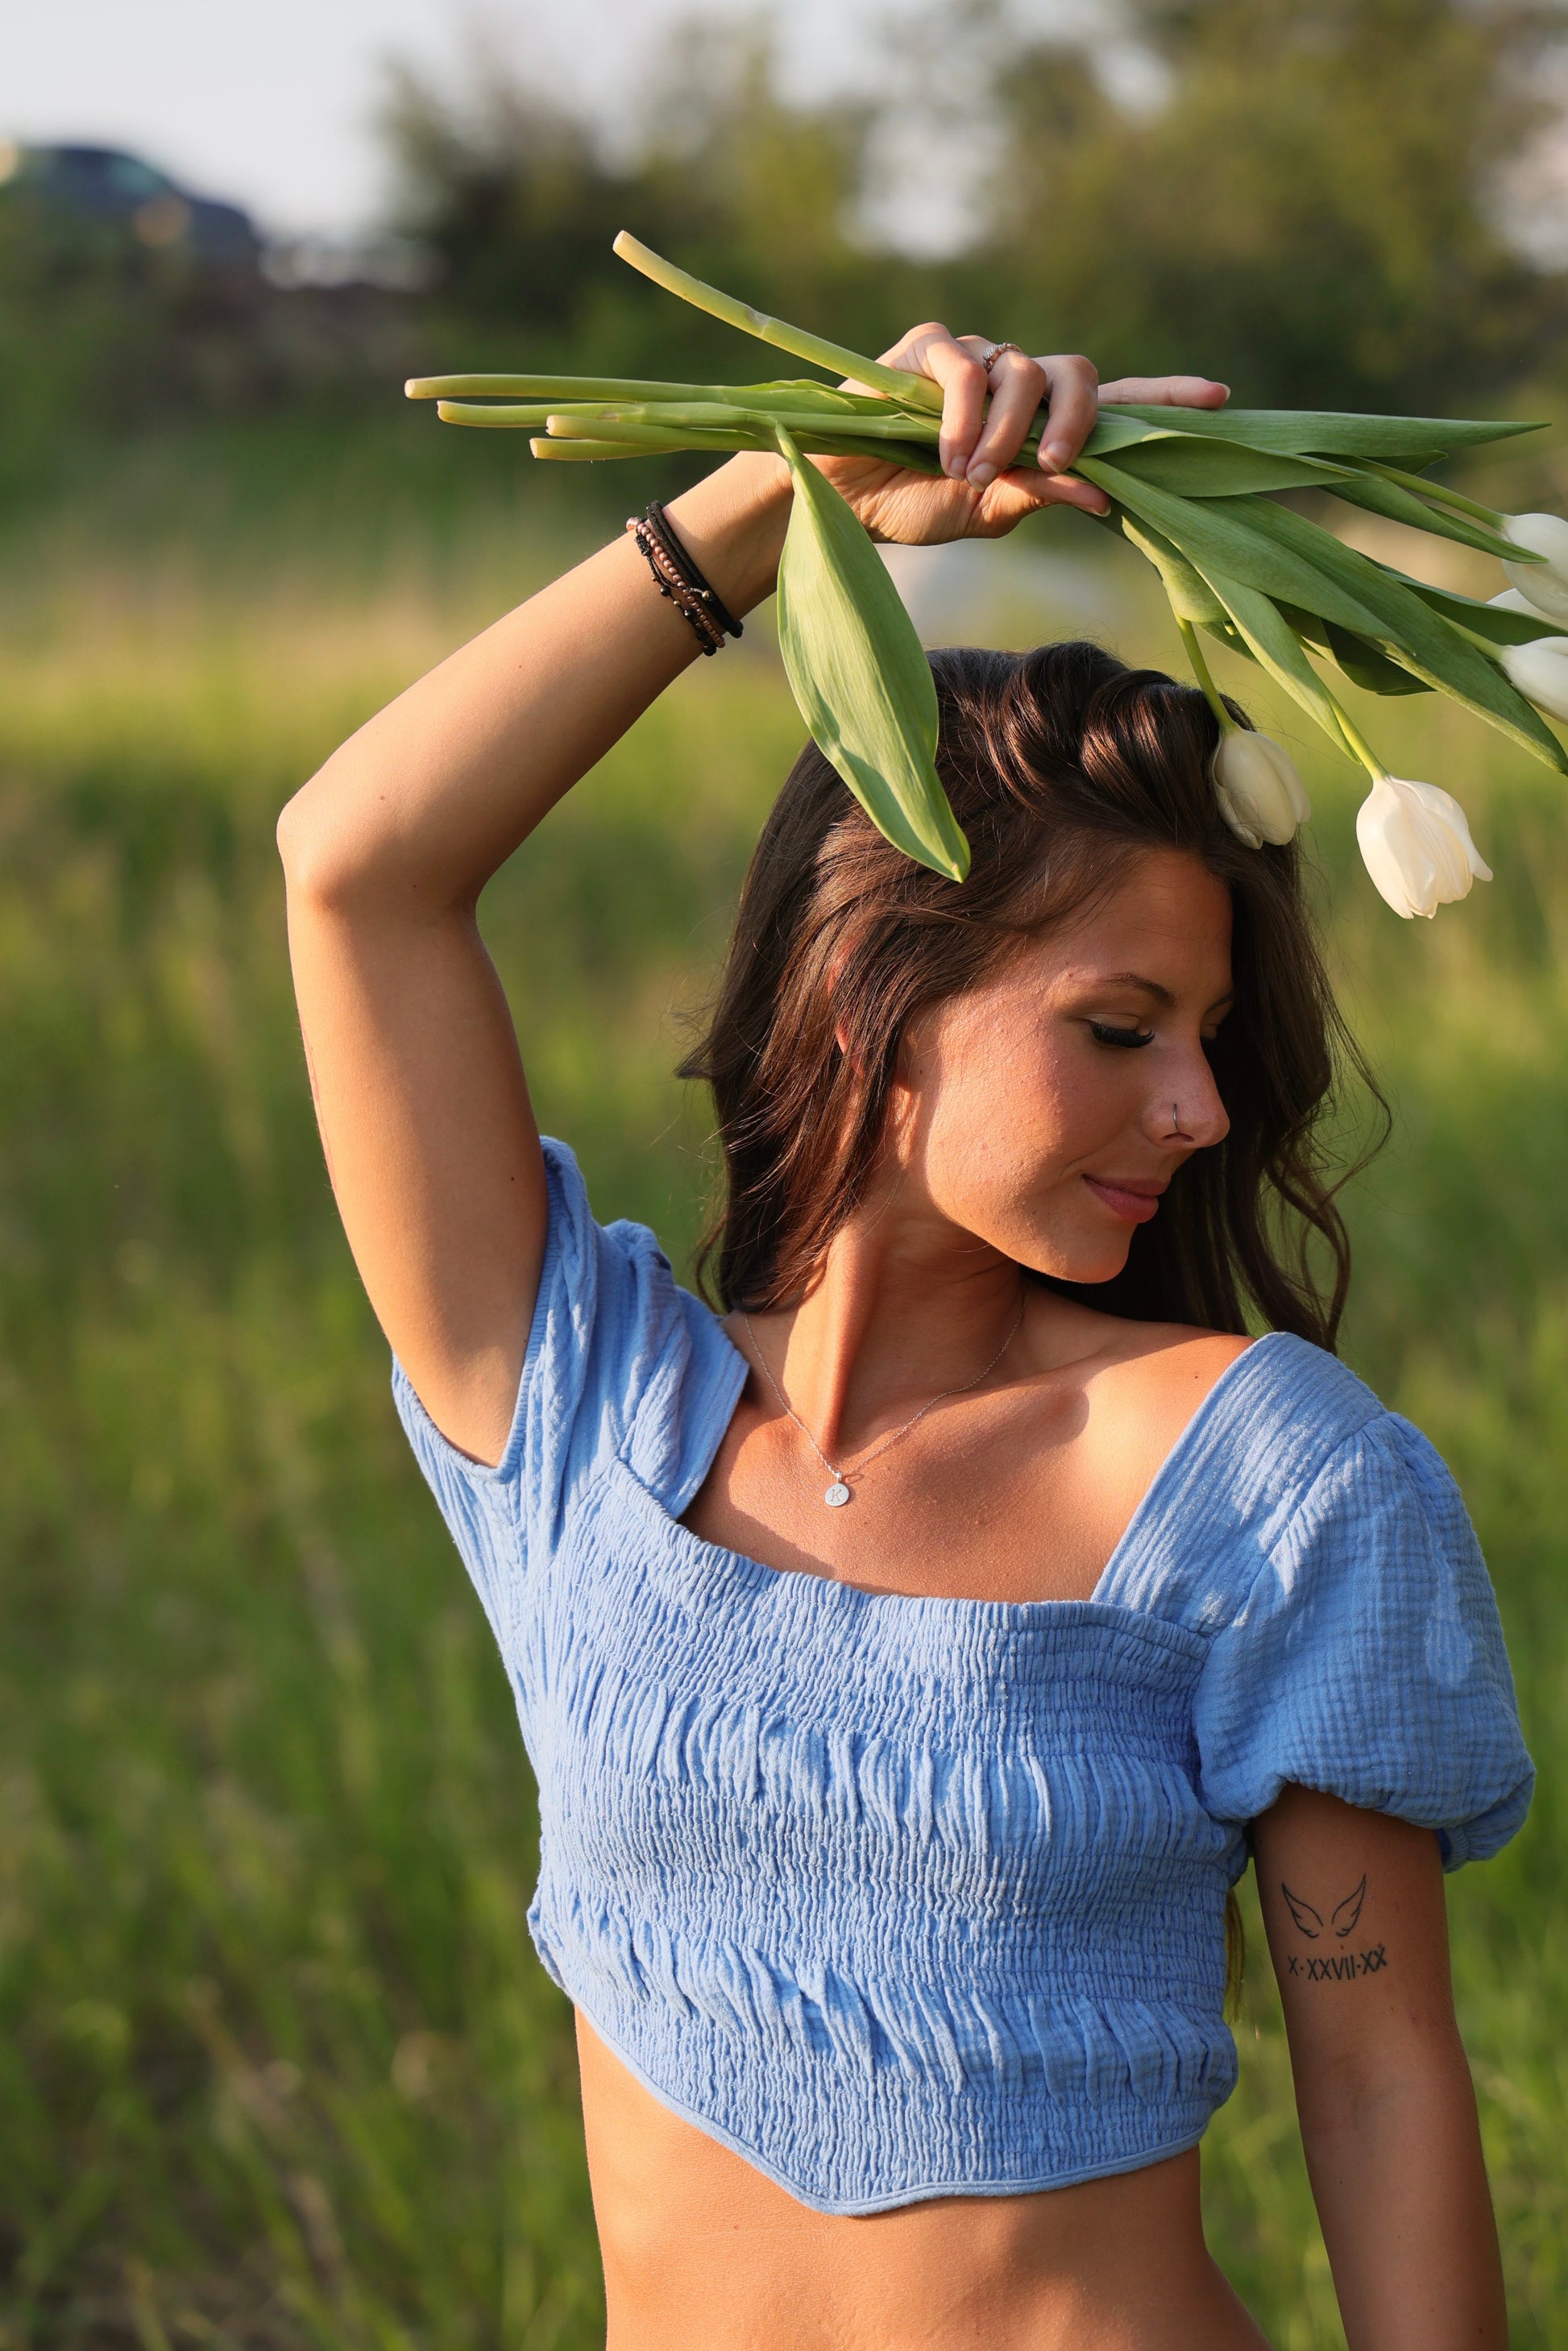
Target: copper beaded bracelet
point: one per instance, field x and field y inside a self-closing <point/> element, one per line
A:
<point x="678" y="576"/>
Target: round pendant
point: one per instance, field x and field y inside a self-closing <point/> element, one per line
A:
<point x="837" y="1495"/>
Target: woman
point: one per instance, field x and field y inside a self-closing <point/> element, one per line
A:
<point x="911" y="1657"/>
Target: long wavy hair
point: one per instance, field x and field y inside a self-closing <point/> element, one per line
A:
<point x="1063" y="766"/>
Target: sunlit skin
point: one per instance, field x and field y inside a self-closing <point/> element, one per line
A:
<point x="1035" y="1123"/>
<point x="1018" y="1137"/>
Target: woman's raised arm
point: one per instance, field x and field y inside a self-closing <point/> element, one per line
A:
<point x="424" y="1109"/>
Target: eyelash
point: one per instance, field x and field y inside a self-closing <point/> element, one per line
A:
<point x="1129" y="1040"/>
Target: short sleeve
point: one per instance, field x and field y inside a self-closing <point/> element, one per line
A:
<point x="1367" y="1660"/>
<point x="622" y="1364"/>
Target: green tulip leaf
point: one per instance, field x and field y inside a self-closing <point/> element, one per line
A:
<point x="1215" y="536"/>
<point x="860" y="674"/>
<point x="1191" y="597"/>
<point x="1117" y="430"/>
<point x="1367" y="667"/>
<point x="1212" y="468"/>
<point x="1410" y="631"/>
<point x="1324" y="432"/>
<point x="1494" y="621"/>
<point x="1381" y="498"/>
<point x="1361" y="662"/>
<point x="1273" y="642"/>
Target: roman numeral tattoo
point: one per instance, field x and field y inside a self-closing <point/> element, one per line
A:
<point x="1342" y="1966"/>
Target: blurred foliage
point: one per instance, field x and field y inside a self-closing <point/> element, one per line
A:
<point x="520" y="205"/>
<point x="1304" y="198"/>
<point x="107" y="338"/>
<point x="1307" y="210"/>
<point x="1302" y="195"/>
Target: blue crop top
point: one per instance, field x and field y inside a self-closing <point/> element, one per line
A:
<point x="903" y="1898"/>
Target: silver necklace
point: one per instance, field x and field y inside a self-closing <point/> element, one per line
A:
<point x="838" y="1493"/>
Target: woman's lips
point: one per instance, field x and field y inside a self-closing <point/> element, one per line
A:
<point x="1137" y="1202"/>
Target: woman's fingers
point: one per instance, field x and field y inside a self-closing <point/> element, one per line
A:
<point x="931" y="350"/>
<point x="1018" y="384"/>
<point x="987" y="417"/>
<point x="1166" y="391"/>
<point x="1074" y="384"/>
<point x="1053" y="489"/>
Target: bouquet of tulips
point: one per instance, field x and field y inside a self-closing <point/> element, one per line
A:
<point x="1192" y="490"/>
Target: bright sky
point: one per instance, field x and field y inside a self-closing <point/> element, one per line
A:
<point x="272" y="102"/>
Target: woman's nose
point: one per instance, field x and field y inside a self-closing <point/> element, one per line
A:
<point x="1186" y="1108"/>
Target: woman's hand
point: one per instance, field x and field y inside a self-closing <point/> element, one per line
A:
<point x="985" y="494"/>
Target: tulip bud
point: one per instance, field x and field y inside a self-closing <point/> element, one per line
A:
<point x="1540" y="673"/>
<point x="1260" y="795"/>
<point x="1416" y="846"/>
<point x="1544" y="586"/>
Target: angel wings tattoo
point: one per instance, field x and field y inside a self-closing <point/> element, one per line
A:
<point x="1342" y="1918"/>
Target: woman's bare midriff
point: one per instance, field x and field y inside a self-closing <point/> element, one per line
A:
<point x="703" y="2252"/>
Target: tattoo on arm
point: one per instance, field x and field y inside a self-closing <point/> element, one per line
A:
<point x="1331" y="1966"/>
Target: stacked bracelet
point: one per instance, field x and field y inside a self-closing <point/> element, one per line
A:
<point x="678" y="576"/>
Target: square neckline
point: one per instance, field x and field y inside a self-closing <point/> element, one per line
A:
<point x="999" y="1611"/>
<point x="964" y="1606"/>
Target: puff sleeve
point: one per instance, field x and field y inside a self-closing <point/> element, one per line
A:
<point x="621" y="1364"/>
<point x="1366" y="1658"/>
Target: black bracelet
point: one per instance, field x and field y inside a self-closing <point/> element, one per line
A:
<point x="678" y="576"/>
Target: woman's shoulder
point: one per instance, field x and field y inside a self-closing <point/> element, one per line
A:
<point x="1203" y="1403"/>
<point x="1282" y="1436"/>
<point x="1281" y="1417"/>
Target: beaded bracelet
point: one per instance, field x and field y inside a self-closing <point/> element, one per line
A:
<point x="678" y="576"/>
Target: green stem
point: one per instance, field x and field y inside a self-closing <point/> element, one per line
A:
<point x="558" y="389"/>
<point x="568" y="391"/>
<point x="917" y="389"/>
<point x="650" y="436"/>
<point x="1437" y="491"/>
<point x="1203" y="673"/>
<point x="1355" y="742"/>
<point x="584" y="452"/>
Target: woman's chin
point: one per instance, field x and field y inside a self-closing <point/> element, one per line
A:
<point x="1099" y="1261"/>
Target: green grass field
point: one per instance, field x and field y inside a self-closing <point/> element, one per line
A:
<point x="276" y="2064"/>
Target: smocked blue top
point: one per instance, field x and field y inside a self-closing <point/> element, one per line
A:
<point x="903" y="1898"/>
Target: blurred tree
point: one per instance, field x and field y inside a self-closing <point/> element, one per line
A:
<point x="520" y="202"/>
<point x="510" y="195"/>
<point x="1306" y="209"/>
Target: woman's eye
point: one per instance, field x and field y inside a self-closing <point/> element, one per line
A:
<point x="1104" y="1032"/>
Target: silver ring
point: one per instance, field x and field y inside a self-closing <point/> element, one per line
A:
<point x="994" y="354"/>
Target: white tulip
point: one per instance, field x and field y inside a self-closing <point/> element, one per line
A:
<point x="1540" y="673"/>
<point x="1510" y="600"/>
<point x="1262" y="796"/>
<point x="1416" y="846"/>
<point x="1544" y="586"/>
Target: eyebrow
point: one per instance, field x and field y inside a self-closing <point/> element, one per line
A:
<point x="1162" y="995"/>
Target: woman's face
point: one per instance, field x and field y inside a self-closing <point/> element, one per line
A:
<point x="1045" y="1110"/>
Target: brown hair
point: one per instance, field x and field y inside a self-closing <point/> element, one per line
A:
<point x="1062" y="766"/>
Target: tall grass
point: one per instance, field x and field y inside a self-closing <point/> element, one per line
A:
<point x="277" y="2065"/>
